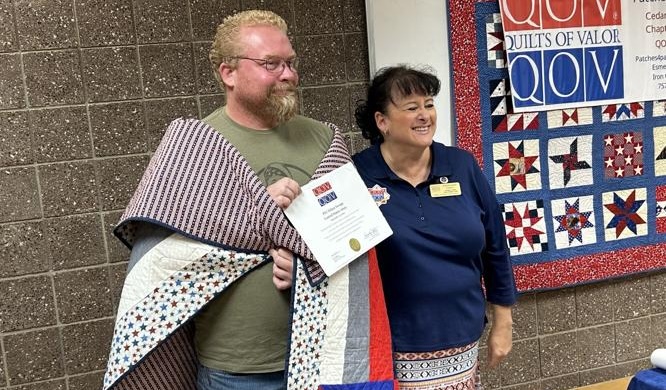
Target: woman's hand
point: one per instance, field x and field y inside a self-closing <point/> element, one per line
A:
<point x="500" y="337"/>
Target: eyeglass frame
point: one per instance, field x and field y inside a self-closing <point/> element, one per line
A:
<point x="282" y="64"/>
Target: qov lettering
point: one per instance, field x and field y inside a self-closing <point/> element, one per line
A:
<point x="565" y="76"/>
<point x="327" y="198"/>
<point x="547" y="14"/>
<point x="320" y="189"/>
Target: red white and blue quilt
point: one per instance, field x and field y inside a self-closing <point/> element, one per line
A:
<point x="583" y="190"/>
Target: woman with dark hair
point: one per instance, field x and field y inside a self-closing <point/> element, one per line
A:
<point x="448" y="243"/>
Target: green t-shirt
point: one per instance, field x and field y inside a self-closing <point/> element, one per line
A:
<point x="245" y="329"/>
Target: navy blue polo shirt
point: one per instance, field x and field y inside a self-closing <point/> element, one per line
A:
<point x="432" y="265"/>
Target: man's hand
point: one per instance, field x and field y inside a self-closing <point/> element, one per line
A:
<point x="284" y="191"/>
<point x="283" y="265"/>
<point x="500" y="337"/>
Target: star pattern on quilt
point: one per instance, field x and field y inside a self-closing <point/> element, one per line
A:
<point x="525" y="227"/>
<point x="311" y="307"/>
<point x="172" y="303"/>
<point x="495" y="41"/>
<point x="573" y="221"/>
<point x="619" y="112"/>
<point x="502" y="116"/>
<point x="570" y="161"/>
<point x="517" y="166"/>
<point x="625" y="214"/>
<point x="623" y="155"/>
<point x="660" y="210"/>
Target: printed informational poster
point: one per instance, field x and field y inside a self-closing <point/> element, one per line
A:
<point x="337" y="218"/>
<point x="581" y="53"/>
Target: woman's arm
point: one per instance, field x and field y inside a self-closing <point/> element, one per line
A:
<point x="500" y="337"/>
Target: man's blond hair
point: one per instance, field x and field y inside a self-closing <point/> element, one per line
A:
<point x="226" y="43"/>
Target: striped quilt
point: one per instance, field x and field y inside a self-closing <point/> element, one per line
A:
<point x="199" y="187"/>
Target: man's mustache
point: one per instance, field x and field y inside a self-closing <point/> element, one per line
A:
<point x="284" y="89"/>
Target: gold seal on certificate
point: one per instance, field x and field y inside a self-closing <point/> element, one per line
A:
<point x="355" y="245"/>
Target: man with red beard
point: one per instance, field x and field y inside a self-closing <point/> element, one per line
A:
<point x="221" y="290"/>
<point x="209" y="239"/>
<point x="241" y="336"/>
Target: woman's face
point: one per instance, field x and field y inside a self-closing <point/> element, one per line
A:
<point x="409" y="121"/>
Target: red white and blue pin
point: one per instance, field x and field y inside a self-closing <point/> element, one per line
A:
<point x="379" y="194"/>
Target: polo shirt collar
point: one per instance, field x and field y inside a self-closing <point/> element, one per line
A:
<point x="441" y="164"/>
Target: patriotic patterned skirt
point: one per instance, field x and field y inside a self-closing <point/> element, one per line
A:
<point x="447" y="369"/>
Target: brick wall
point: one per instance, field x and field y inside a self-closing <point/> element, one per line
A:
<point x="583" y="335"/>
<point x="86" y="90"/>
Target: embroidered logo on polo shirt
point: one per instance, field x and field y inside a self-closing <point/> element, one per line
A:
<point x="379" y="194"/>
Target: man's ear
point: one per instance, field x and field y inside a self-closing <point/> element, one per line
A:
<point x="227" y="75"/>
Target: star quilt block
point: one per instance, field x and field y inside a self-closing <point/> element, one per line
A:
<point x="573" y="221"/>
<point x="525" y="227"/>
<point x="570" y="161"/>
<point x="625" y="214"/>
<point x="517" y="166"/>
<point x="623" y="154"/>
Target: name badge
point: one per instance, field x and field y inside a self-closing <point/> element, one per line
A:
<point x="447" y="189"/>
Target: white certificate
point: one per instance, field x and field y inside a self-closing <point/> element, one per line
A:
<point x="337" y="218"/>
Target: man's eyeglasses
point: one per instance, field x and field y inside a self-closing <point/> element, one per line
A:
<point x="273" y="65"/>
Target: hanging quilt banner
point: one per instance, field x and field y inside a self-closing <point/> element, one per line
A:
<point x="578" y="53"/>
<point x="583" y="189"/>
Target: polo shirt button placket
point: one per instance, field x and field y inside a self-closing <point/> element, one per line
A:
<point x="420" y="204"/>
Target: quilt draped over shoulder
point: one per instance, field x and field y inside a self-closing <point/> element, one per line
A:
<point x="199" y="186"/>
